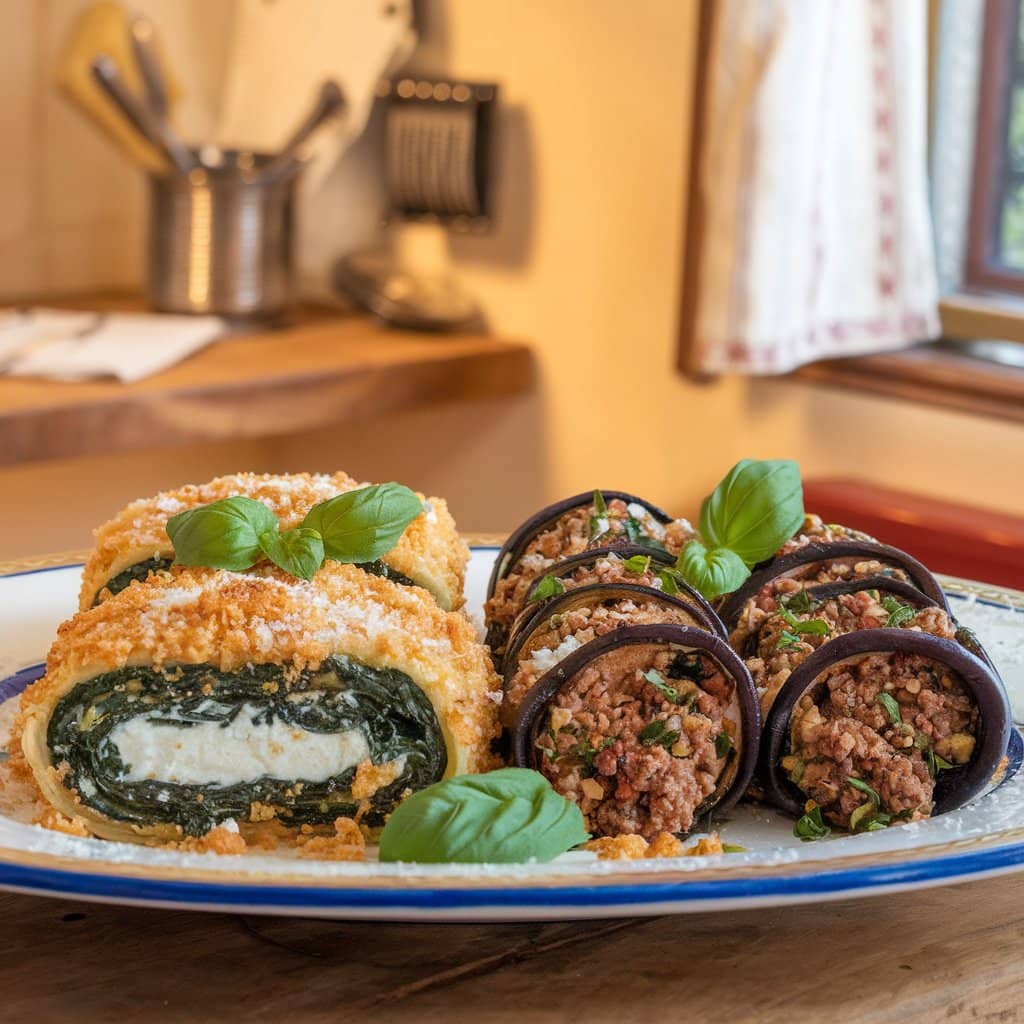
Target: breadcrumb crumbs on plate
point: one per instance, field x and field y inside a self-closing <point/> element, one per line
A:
<point x="222" y="840"/>
<point x="346" y="844"/>
<point x="629" y="847"/>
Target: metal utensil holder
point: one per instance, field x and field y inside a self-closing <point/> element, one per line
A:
<point x="222" y="240"/>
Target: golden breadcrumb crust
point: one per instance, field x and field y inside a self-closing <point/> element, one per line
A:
<point x="228" y="620"/>
<point x="430" y="552"/>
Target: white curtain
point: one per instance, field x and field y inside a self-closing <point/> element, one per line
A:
<point x="816" y="239"/>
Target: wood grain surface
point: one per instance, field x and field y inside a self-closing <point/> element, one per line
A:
<point x="950" y="954"/>
<point x="323" y="368"/>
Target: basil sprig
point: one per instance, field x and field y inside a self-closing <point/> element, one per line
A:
<point x="508" y="816"/>
<point x="746" y="519"/>
<point x="236" y="533"/>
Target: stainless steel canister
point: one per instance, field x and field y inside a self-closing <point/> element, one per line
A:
<point x="221" y="241"/>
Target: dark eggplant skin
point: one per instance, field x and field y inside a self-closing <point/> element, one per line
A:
<point x="520" y="538"/>
<point x="531" y="711"/>
<point x="952" y="789"/>
<point x="592" y="594"/>
<point x="825" y="552"/>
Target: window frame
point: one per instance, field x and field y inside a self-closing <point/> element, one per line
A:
<point x="983" y="271"/>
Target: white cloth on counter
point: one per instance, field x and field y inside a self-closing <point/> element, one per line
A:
<point x="65" y="345"/>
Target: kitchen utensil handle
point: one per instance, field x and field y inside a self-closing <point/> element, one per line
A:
<point x="154" y="130"/>
<point x="330" y="102"/>
<point x="149" y="66"/>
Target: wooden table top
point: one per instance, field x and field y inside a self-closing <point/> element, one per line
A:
<point x="949" y="954"/>
<point x="325" y="367"/>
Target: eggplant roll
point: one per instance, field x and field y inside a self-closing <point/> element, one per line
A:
<point x="430" y="553"/>
<point x="566" y="528"/>
<point x="628" y="564"/>
<point x="786" y="622"/>
<point x="198" y="697"/>
<point x="830" y="562"/>
<point x="574" y="618"/>
<point x="816" y="531"/>
<point x="646" y="729"/>
<point x="885" y="726"/>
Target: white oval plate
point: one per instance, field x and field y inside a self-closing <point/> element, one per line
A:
<point x="985" y="838"/>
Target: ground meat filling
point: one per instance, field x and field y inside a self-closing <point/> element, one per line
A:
<point x="789" y="626"/>
<point x="640" y="739"/>
<point x="576" y="531"/>
<point x="564" y="632"/>
<point x="892" y="722"/>
<point x="816" y="531"/>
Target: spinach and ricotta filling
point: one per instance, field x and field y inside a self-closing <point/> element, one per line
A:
<point x="192" y="746"/>
<point x="141" y="571"/>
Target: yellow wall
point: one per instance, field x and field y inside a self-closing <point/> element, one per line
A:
<point x="585" y="263"/>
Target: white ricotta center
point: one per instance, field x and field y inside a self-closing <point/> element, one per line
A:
<point x="245" y="750"/>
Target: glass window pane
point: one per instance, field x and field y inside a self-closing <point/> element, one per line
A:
<point x="1015" y="140"/>
<point x="1011" y="227"/>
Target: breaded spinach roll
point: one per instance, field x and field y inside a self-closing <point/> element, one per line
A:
<point x="590" y="520"/>
<point x="430" y="554"/>
<point x="646" y="729"/>
<point x="202" y="696"/>
<point x="881" y="727"/>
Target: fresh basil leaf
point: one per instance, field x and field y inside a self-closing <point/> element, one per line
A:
<point x="892" y="708"/>
<point x="941" y="763"/>
<point x="508" y="816"/>
<point x="637" y="564"/>
<point x="712" y="573"/>
<point x="861" y="785"/>
<point x="600" y="508"/>
<point x="899" y="613"/>
<point x="222" y="535"/>
<point x="669" y="585"/>
<point x="754" y="510"/>
<point x="299" y="551"/>
<point x="733" y="848"/>
<point x="548" y="587"/>
<point x="365" y="524"/>
<point x="811" y="826"/>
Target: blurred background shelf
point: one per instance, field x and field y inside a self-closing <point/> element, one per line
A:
<point x="325" y="367"/>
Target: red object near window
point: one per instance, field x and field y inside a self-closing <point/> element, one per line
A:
<point x="959" y="540"/>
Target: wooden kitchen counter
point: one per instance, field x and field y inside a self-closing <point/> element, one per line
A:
<point x="326" y="368"/>
<point x="951" y="954"/>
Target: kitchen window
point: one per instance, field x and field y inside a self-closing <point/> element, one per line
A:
<point x="977" y="173"/>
